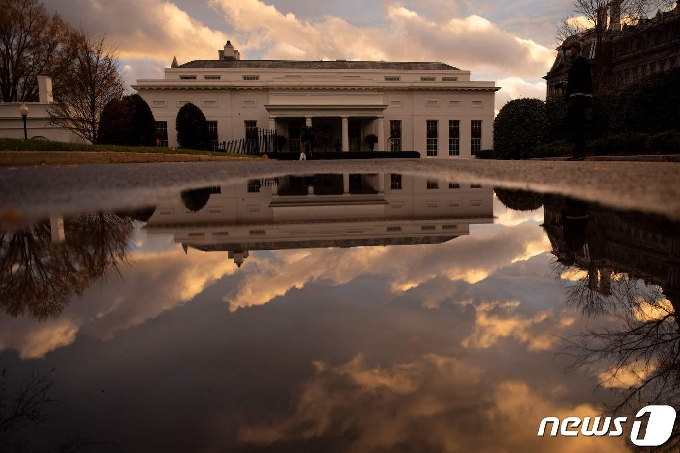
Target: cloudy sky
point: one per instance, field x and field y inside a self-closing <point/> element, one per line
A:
<point x="509" y="41"/>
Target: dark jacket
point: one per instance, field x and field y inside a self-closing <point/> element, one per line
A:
<point x="580" y="79"/>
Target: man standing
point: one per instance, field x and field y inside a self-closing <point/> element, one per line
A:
<point x="579" y="93"/>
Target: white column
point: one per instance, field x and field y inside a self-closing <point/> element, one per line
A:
<point x="345" y="183"/>
<point x="272" y="123"/>
<point x="381" y="182"/>
<point x="57" y="229"/>
<point x="381" y="134"/>
<point x="345" y="137"/>
<point x="308" y="121"/>
<point x="310" y="190"/>
<point x="275" y="190"/>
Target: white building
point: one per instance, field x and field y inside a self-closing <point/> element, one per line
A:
<point x="322" y="210"/>
<point x="37" y="121"/>
<point x="432" y="108"/>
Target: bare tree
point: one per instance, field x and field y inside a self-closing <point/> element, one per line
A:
<point x="32" y="43"/>
<point x="39" y="278"/>
<point x="599" y="23"/>
<point x="93" y="82"/>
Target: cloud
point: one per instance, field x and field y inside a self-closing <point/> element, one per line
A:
<point x="469" y="43"/>
<point x="153" y="284"/>
<point x="435" y="403"/>
<point x="516" y="88"/>
<point x="144" y="29"/>
<point x="478" y="256"/>
<point x="498" y="321"/>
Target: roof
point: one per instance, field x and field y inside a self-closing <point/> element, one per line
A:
<point x="320" y="243"/>
<point x="297" y="64"/>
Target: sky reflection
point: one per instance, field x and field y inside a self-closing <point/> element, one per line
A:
<point x="449" y="346"/>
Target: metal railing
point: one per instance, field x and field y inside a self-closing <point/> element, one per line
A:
<point x="259" y="141"/>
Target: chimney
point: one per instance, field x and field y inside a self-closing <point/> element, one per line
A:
<point x="229" y="53"/>
<point x="45" y="89"/>
<point x="615" y="15"/>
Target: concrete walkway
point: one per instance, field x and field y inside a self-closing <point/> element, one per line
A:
<point x="33" y="191"/>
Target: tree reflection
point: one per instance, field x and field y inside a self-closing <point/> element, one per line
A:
<point x="626" y="272"/>
<point x="38" y="277"/>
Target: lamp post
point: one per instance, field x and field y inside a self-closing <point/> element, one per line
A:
<point x="23" y="110"/>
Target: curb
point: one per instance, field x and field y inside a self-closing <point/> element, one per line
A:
<point x="32" y="158"/>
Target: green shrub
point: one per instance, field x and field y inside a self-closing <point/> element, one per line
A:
<point x="127" y="122"/>
<point x="620" y="144"/>
<point x="519" y="200"/>
<point x="520" y="126"/>
<point x="556" y="111"/>
<point x="485" y="154"/>
<point x="667" y="142"/>
<point x="192" y="127"/>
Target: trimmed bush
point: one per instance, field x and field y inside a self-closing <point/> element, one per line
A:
<point x="192" y="127"/>
<point x="127" y="122"/>
<point x="519" y="128"/>
<point x="519" y="200"/>
<point x="667" y="142"/>
<point x="485" y="154"/>
<point x="620" y="144"/>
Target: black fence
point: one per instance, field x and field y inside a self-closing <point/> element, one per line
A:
<point x="257" y="142"/>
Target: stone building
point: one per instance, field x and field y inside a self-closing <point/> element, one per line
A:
<point x="321" y="210"/>
<point x="433" y="108"/>
<point x="631" y="52"/>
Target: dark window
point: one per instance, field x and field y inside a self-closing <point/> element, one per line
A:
<point x="454" y="137"/>
<point x="476" y="141"/>
<point x="395" y="135"/>
<point x="395" y="181"/>
<point x="212" y="133"/>
<point x="162" y="134"/>
<point x="432" y="137"/>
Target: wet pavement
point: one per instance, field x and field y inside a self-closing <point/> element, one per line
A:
<point x="402" y="306"/>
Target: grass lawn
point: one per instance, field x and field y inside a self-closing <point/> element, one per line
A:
<point x="13" y="144"/>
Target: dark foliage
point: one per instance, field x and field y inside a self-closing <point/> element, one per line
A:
<point x="128" y="122"/>
<point x="196" y="199"/>
<point x="520" y="126"/>
<point x="519" y="200"/>
<point x="192" y="128"/>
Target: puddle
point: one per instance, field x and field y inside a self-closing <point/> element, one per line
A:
<point x="335" y="312"/>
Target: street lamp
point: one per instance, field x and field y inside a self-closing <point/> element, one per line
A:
<point x="23" y="110"/>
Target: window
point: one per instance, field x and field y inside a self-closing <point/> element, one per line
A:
<point x="395" y="181"/>
<point x="454" y="137"/>
<point x="477" y="104"/>
<point x="213" y="77"/>
<point x="454" y="103"/>
<point x="180" y="104"/>
<point x="162" y="134"/>
<point x="396" y="103"/>
<point x="432" y="103"/>
<point x="432" y="137"/>
<point x="162" y="103"/>
<point x="252" y="142"/>
<point x="395" y="135"/>
<point x="392" y="79"/>
<point x="212" y="133"/>
<point x="249" y="103"/>
<point x="427" y="79"/>
<point x="251" y="78"/>
<point x="454" y="185"/>
<point x="393" y="229"/>
<point x="449" y="79"/>
<point x="476" y="140"/>
<point x="475" y="186"/>
<point x="187" y="77"/>
<point x="432" y="184"/>
<point x="210" y="103"/>
<point x="254" y="186"/>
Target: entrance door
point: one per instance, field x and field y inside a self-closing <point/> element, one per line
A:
<point x="354" y="135"/>
<point x="294" y="133"/>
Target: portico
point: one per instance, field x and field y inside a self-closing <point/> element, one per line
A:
<point x="344" y="116"/>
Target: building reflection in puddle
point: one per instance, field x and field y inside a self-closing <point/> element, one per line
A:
<point x="321" y="211"/>
<point x="446" y="342"/>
